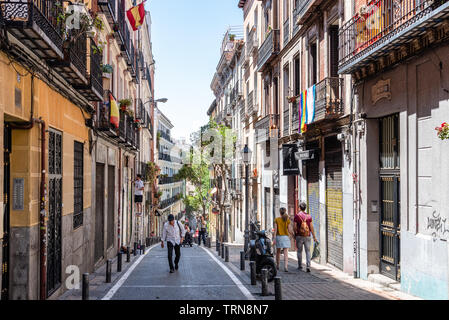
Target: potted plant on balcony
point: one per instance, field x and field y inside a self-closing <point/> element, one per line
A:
<point x="107" y="71"/>
<point x="231" y="37"/>
<point x="443" y="131"/>
<point x="125" y="104"/>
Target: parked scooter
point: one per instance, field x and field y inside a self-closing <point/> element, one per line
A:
<point x="260" y="251"/>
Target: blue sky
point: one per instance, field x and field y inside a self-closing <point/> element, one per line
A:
<point x="187" y="36"/>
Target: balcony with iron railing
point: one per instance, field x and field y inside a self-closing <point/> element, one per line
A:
<point x="35" y="24"/>
<point x="286" y="31"/>
<point x="250" y="103"/>
<point x="140" y="110"/>
<point x="384" y="26"/>
<point x="167" y="180"/>
<point x="132" y="63"/>
<point x="268" y="50"/>
<point x="148" y="76"/>
<point x="103" y="118"/>
<point x="121" y="27"/>
<point x="286" y="124"/>
<point x="109" y="8"/>
<point x="168" y="202"/>
<point x="265" y="127"/>
<point x="93" y="91"/>
<point x="252" y="42"/>
<point x="165" y="136"/>
<point x="329" y="99"/>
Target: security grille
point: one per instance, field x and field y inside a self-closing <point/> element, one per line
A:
<point x="54" y="242"/>
<point x="78" y="184"/>
<point x="390" y="224"/>
<point x="334" y="201"/>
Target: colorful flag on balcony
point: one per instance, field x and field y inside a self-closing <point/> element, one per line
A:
<point x="136" y="16"/>
<point x="307" y="108"/>
<point x="115" y="115"/>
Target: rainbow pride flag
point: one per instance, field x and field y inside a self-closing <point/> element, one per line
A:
<point x="307" y="108"/>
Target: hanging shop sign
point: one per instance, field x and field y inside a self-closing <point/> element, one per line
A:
<point x="307" y="154"/>
<point x="291" y="164"/>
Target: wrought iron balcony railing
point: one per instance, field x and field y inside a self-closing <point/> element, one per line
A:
<point x="295" y="19"/>
<point x="250" y="103"/>
<point x="252" y="43"/>
<point x="93" y="91"/>
<point x="140" y="110"/>
<point x="124" y="37"/>
<point x="329" y="98"/>
<point x="109" y="8"/>
<point x="103" y="120"/>
<point x="286" y="31"/>
<point x="266" y="126"/>
<point x="132" y="65"/>
<point x="35" y="23"/>
<point x="165" y="135"/>
<point x="168" y="202"/>
<point x="384" y="26"/>
<point x="286" y="125"/>
<point x="168" y="180"/>
<point x="122" y="127"/>
<point x="165" y="157"/>
<point x="269" y="49"/>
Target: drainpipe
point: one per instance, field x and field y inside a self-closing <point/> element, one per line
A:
<point x="42" y="212"/>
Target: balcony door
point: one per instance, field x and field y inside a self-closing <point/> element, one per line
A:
<point x="389" y="175"/>
<point x="6" y="211"/>
<point x="333" y="50"/>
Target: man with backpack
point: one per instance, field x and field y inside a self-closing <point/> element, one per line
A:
<point x="303" y="227"/>
<point x="173" y="234"/>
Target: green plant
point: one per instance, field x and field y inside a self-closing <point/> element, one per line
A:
<point x="151" y="172"/>
<point x="443" y="131"/>
<point x="125" y="102"/>
<point x="231" y="37"/>
<point x="107" y="68"/>
<point x="87" y="22"/>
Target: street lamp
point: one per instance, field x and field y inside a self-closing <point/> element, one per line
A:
<point x="246" y="156"/>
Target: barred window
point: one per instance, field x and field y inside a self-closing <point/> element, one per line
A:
<point x="78" y="184"/>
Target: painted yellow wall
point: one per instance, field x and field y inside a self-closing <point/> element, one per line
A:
<point x="59" y="114"/>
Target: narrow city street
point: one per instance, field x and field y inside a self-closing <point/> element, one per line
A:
<point x="200" y="277"/>
<point x="204" y="275"/>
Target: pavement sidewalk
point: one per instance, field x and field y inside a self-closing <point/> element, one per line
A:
<point x="322" y="283"/>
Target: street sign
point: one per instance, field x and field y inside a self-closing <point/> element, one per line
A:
<point x="305" y="155"/>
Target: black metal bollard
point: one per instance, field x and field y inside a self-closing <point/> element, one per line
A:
<point x="128" y="254"/>
<point x="264" y="282"/>
<point x="108" y="271"/>
<point x="142" y="248"/>
<point x="119" y="262"/>
<point x="222" y="250"/>
<point x="219" y="249"/>
<point x="277" y="288"/>
<point x="252" y="266"/>
<point x="217" y="245"/>
<point x="242" y="260"/>
<point x="135" y="248"/>
<point x="226" y="254"/>
<point x="209" y="243"/>
<point x="85" y="294"/>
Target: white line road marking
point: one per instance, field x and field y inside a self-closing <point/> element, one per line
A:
<point x="239" y="284"/>
<point x="184" y="286"/>
<point x="122" y="280"/>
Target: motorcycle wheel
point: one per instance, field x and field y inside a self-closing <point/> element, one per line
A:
<point x="270" y="265"/>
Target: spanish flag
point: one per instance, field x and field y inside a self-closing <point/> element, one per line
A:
<point x="136" y="16"/>
<point x="115" y="116"/>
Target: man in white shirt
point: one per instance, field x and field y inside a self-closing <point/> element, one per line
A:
<point x="173" y="233"/>
<point x="138" y="193"/>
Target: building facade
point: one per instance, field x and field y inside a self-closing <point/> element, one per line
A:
<point x="69" y="168"/>
<point x="169" y="158"/>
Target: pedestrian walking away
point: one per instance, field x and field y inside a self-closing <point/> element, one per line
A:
<point x="202" y="231"/>
<point x="282" y="240"/>
<point x="303" y="226"/>
<point x="138" y="193"/>
<point x="173" y="233"/>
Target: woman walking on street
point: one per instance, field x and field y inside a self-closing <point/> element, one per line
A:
<point x="282" y="240"/>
